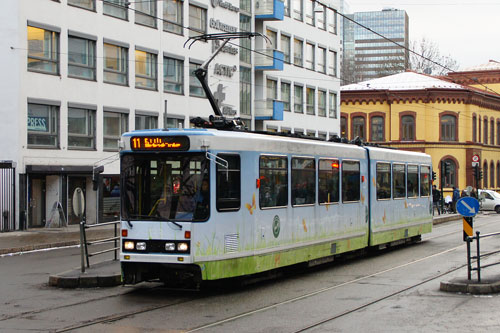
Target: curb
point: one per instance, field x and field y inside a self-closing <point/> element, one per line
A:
<point x="470" y="288"/>
<point x="37" y="247"/>
<point x="70" y="280"/>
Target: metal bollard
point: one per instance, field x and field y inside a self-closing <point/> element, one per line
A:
<point x="82" y="245"/>
<point x="478" y="259"/>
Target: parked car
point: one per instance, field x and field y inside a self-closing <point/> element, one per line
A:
<point x="490" y="200"/>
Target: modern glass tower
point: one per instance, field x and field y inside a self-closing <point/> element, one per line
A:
<point x="368" y="55"/>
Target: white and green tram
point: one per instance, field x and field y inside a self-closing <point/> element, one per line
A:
<point x="207" y="204"/>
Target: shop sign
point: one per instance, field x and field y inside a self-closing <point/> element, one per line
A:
<point x="224" y="70"/>
<point x="226" y="49"/>
<point x="224" y="4"/>
<point x="218" y="25"/>
<point x="228" y="111"/>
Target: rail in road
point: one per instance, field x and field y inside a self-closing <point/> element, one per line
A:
<point x="305" y="302"/>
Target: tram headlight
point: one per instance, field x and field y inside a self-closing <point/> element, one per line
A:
<point x="128" y="245"/>
<point x="169" y="246"/>
<point x="141" y="246"/>
<point x="182" y="247"/>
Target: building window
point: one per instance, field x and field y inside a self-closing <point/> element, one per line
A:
<point x="332" y="63"/>
<point x="332" y="21"/>
<point x="351" y="184"/>
<point x="245" y="91"/>
<point x="485" y="131"/>
<point x="173" y="75"/>
<point x="332" y="105"/>
<point x="115" y="64"/>
<point x="448" y="128"/>
<point x="287" y="8"/>
<point x="246" y="5"/>
<point x="492" y="175"/>
<point x="285" y="95"/>
<point x="174" y="122"/>
<point x="298" y="99"/>
<point x="377" y="128"/>
<point x="310" y="102"/>
<point x="87" y="4"/>
<point x="485" y="174"/>
<point x="245" y="43"/>
<point x="116" y="8"/>
<point x="81" y="128"/>
<point x="145" y="13"/>
<point x="358" y="127"/>
<point x="81" y="58"/>
<point x="43" y="50"/>
<point x="273" y="39"/>
<point x="115" y="124"/>
<point x="450" y="179"/>
<point x="298" y="52"/>
<point x="310" y="56"/>
<point x="143" y="122"/>
<point x="321" y="17"/>
<point x="146" y="73"/>
<point x="321" y="103"/>
<point x="273" y="176"/>
<point x="271" y="92"/>
<point x="173" y="19"/>
<point x="195" y="87"/>
<point x="407" y="128"/>
<point x="297" y="9"/>
<point x="343" y="127"/>
<point x="303" y="181"/>
<point x="285" y="48"/>
<point x="498" y="174"/>
<point x="474" y="129"/>
<point x="197" y="21"/>
<point x="492" y="129"/>
<point x="321" y="60"/>
<point x="43" y="126"/>
<point x="309" y="9"/>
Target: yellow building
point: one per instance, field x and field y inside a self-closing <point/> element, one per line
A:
<point x="449" y="121"/>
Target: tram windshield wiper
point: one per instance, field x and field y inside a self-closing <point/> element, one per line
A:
<point x="153" y="218"/>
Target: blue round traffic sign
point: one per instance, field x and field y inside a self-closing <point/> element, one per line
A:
<point x="467" y="206"/>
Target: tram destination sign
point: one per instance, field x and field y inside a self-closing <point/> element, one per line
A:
<point x="164" y="143"/>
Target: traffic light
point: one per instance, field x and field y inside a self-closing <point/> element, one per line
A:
<point x="475" y="172"/>
<point x="480" y="174"/>
<point x="433" y="175"/>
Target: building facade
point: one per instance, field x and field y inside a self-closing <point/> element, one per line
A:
<point x="449" y="121"/>
<point x="82" y="72"/>
<point x="367" y="55"/>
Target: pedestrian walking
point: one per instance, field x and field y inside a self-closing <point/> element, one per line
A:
<point x="436" y="196"/>
<point x="455" y="197"/>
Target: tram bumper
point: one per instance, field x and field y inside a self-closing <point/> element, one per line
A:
<point x="170" y="274"/>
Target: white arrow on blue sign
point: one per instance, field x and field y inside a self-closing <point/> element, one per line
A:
<point x="467" y="206"/>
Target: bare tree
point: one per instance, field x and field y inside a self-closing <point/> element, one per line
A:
<point x="427" y="58"/>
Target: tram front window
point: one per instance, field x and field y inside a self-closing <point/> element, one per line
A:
<point x="165" y="187"/>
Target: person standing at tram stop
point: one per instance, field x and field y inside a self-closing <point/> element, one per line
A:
<point x="455" y="197"/>
<point x="436" y="196"/>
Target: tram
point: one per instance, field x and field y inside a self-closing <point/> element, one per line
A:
<point x="205" y="204"/>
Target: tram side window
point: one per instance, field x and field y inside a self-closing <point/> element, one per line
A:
<point x="425" y="180"/>
<point x="350" y="181"/>
<point x="398" y="180"/>
<point x="412" y="181"/>
<point x="303" y="181"/>
<point x="328" y="181"/>
<point x="383" y="181"/>
<point x="273" y="177"/>
<point x="228" y="189"/>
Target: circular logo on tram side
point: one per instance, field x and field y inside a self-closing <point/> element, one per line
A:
<point x="276" y="226"/>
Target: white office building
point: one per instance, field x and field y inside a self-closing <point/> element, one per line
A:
<point x="79" y="73"/>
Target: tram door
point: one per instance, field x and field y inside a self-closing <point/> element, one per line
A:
<point x="74" y="183"/>
<point x="36" y="210"/>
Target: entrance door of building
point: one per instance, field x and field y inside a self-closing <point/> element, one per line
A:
<point x="36" y="200"/>
<point x="73" y="183"/>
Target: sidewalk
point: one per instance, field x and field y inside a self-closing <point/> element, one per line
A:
<point x="107" y="274"/>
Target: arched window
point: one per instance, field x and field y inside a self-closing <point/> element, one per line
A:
<point x="407" y="128"/>
<point x="474" y="128"/>
<point x="498" y="135"/>
<point x="343" y="127"/>
<point x="358" y="127"/>
<point x="485" y="131"/>
<point x="485" y="174"/>
<point x="377" y="128"/>
<point x="498" y="173"/>
<point x="492" y="129"/>
<point x="448" y="128"/>
<point x="450" y="179"/>
<point x="492" y="174"/>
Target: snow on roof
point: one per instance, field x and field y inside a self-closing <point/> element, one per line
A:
<point x="403" y="81"/>
<point x="489" y="66"/>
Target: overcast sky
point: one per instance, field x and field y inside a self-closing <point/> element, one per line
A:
<point x="466" y="30"/>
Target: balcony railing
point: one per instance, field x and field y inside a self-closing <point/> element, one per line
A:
<point x="269" y="10"/>
<point x="269" y="60"/>
<point x="268" y="110"/>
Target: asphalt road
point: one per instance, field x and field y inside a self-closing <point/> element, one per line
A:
<point x="396" y="290"/>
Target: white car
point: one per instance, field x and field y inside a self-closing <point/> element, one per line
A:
<point x="490" y="200"/>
